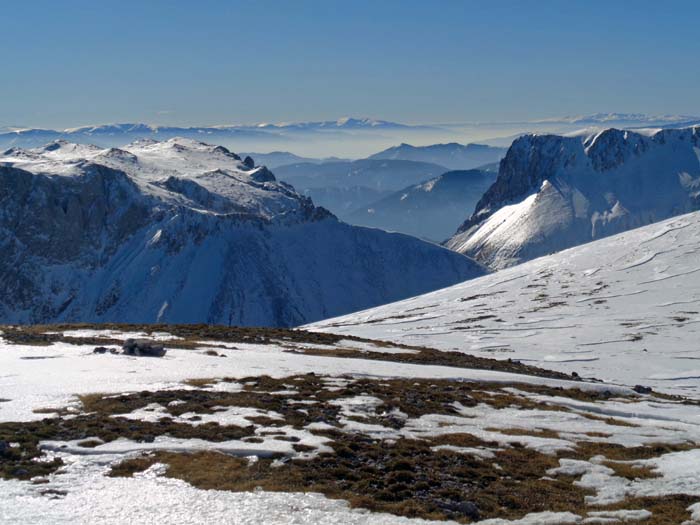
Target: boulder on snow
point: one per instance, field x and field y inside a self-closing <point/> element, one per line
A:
<point x="143" y="348"/>
<point x="248" y="162"/>
<point x="262" y="174"/>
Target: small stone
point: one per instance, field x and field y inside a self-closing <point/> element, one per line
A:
<point x="262" y="174"/>
<point x="641" y="389"/>
<point x="143" y="347"/>
<point x="100" y="350"/>
<point x="40" y="481"/>
<point x="469" y="509"/>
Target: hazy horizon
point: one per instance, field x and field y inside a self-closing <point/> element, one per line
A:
<point x="244" y="62"/>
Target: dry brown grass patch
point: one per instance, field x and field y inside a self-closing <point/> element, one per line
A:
<point x="535" y="432"/>
<point x="405" y="478"/>
<point x="631" y="470"/>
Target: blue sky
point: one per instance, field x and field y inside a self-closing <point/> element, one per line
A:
<point x="71" y="63"/>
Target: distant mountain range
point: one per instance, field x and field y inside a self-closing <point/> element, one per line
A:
<point x="453" y="156"/>
<point x="181" y="231"/>
<point x="343" y="187"/>
<point x="113" y="135"/>
<point x="344" y="137"/>
<point x="430" y="210"/>
<point x="627" y="119"/>
<point x="450" y="156"/>
<point x="345" y="123"/>
<point x="400" y="188"/>
<point x="554" y="192"/>
<point x="275" y="159"/>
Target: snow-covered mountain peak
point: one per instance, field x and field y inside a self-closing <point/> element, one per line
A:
<point x="154" y="166"/>
<point x="349" y="120"/>
<point x="599" y="183"/>
<point x="129" y="127"/>
<point x="61" y="149"/>
<point x="184" y="156"/>
<point x="181" y="230"/>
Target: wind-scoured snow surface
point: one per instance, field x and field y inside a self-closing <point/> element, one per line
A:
<point x="554" y="192"/>
<point x="182" y="231"/>
<point x="625" y="309"/>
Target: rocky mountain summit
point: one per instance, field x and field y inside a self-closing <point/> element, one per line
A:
<point x="182" y="231"/>
<point x="554" y="192"/>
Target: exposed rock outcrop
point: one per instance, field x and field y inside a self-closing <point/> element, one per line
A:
<point x="554" y="192"/>
<point x="181" y="231"/>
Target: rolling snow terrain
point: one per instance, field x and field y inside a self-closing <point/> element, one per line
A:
<point x="429" y="210"/>
<point x="625" y="309"/>
<point x="181" y="231"/>
<point x="554" y="192"/>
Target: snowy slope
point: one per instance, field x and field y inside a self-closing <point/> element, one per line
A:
<point x="431" y="209"/>
<point x="454" y="156"/>
<point x="554" y="192"/>
<point x="624" y="309"/>
<point x="181" y="231"/>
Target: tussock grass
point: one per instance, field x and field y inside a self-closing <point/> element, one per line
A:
<point x="406" y="477"/>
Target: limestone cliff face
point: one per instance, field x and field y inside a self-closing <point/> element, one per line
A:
<point x="554" y="192"/>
